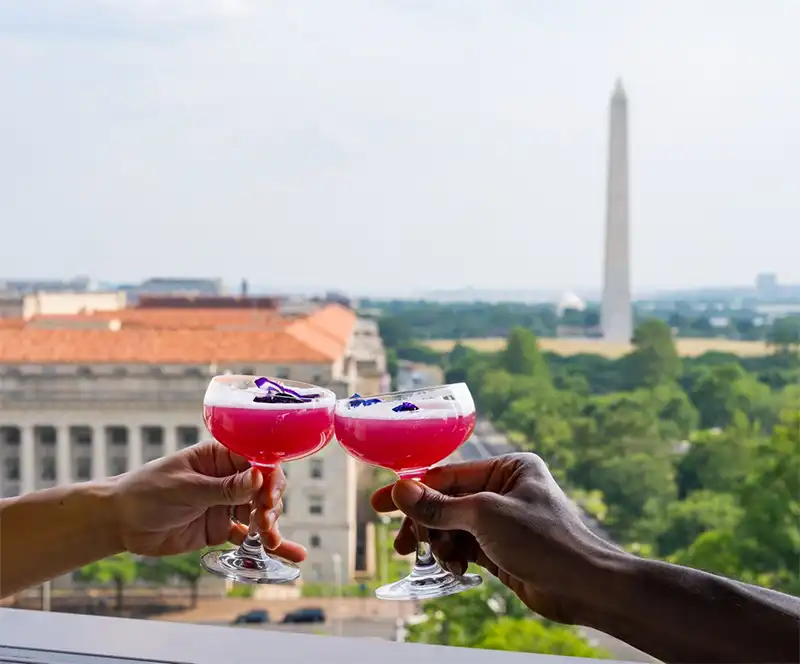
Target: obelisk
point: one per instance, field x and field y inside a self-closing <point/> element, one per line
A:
<point x="616" y="313"/>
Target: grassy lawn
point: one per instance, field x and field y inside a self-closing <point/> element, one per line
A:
<point x="686" y="347"/>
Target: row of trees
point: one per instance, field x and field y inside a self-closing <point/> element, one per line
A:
<point x="122" y="570"/>
<point x="405" y="321"/>
<point x="696" y="462"/>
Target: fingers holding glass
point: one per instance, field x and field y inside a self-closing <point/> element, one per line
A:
<point x="266" y="422"/>
<point x="408" y="433"/>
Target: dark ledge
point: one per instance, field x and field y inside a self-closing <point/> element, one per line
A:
<point x="35" y="637"/>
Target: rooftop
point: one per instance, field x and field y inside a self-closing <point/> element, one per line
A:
<point x="178" y="336"/>
<point x="49" y="638"/>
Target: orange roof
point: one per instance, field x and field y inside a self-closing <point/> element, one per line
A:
<point x="193" y="337"/>
<point x="175" y="319"/>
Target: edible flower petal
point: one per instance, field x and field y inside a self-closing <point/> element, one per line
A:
<point x="406" y="406"/>
<point x="277" y="393"/>
<point x="356" y="400"/>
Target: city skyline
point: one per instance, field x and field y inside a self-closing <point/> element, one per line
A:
<point x="206" y="132"/>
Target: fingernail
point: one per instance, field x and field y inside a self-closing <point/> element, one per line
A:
<point x="455" y="566"/>
<point x="409" y="491"/>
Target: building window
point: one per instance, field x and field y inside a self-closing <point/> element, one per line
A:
<point x="84" y="372"/>
<point x="315" y="505"/>
<point x="117" y="435"/>
<point x="12" y="469"/>
<point x="119" y="372"/>
<point x="315" y="468"/>
<point x="10" y="435"/>
<point x="81" y="435"/>
<point x="188" y="436"/>
<point x="194" y="372"/>
<point x="153" y="435"/>
<point x="315" y="542"/>
<point x="48" y="468"/>
<point x="45" y="435"/>
<point x="282" y="372"/>
<point x="248" y="371"/>
<point x="83" y="469"/>
<point x="117" y="465"/>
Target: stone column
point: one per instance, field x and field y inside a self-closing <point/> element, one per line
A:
<point x="63" y="456"/>
<point x="99" y="448"/>
<point x="27" y="460"/>
<point x="170" y="440"/>
<point x="135" y="447"/>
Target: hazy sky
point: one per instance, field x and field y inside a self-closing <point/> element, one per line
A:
<point x="396" y="144"/>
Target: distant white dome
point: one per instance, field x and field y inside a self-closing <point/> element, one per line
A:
<point x="570" y="301"/>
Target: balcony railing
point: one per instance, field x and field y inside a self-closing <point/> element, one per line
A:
<point x="36" y="637"/>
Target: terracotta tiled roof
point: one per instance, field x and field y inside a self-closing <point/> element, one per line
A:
<point x="168" y="336"/>
<point x="174" y="319"/>
<point x="153" y="347"/>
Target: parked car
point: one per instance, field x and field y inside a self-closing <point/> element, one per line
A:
<point x="254" y="617"/>
<point x="308" y="615"/>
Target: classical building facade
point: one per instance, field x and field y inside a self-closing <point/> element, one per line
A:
<point x="94" y="395"/>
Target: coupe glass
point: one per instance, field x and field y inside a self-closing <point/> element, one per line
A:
<point x="268" y="421"/>
<point x="408" y="432"/>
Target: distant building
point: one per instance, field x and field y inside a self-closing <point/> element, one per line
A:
<point x="29" y="286"/>
<point x="174" y="286"/>
<point x="767" y="285"/>
<point x="96" y="394"/>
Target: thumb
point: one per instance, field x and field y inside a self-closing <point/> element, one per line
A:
<point x="430" y="508"/>
<point x="232" y="490"/>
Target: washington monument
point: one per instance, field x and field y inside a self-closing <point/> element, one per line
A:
<point x="616" y="313"/>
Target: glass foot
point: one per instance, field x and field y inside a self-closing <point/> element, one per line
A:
<point x="428" y="583"/>
<point x="233" y="565"/>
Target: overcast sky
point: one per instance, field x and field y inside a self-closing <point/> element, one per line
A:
<point x="396" y="144"/>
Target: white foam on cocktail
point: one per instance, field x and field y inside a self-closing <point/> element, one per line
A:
<point x="429" y="409"/>
<point x="225" y="393"/>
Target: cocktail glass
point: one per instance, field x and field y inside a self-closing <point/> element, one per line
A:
<point x="408" y="433"/>
<point x="267" y="421"/>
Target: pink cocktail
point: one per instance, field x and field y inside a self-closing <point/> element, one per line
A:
<point x="267" y="421"/>
<point x="408" y="444"/>
<point x="408" y="432"/>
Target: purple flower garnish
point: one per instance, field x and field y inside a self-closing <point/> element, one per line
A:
<point x="406" y="406"/>
<point x="277" y="393"/>
<point x="356" y="400"/>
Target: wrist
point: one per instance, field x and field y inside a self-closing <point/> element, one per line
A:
<point x="607" y="576"/>
<point x="102" y="503"/>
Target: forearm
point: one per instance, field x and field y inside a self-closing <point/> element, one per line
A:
<point x="682" y="615"/>
<point x="48" y="533"/>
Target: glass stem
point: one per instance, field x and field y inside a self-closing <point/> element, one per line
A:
<point x="252" y="546"/>
<point x="424" y="556"/>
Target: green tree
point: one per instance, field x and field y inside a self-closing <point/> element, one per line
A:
<point x="700" y="512"/>
<point x="394" y="331"/>
<point x="718" y="460"/>
<point x="527" y="635"/>
<point x="763" y="547"/>
<point x="119" y="570"/>
<point x="654" y="359"/>
<point x="619" y="451"/>
<point x="721" y="390"/>
<point x="522" y="356"/>
<point x="184" y="567"/>
<point x="784" y="335"/>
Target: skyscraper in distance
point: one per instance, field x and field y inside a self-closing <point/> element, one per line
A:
<point x="616" y="312"/>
